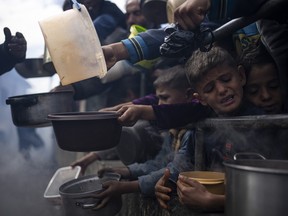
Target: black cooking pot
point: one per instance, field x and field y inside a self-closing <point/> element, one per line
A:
<point x="34" y="67"/>
<point x="77" y="196"/>
<point x="256" y="187"/>
<point x="31" y="110"/>
<point x="86" y="131"/>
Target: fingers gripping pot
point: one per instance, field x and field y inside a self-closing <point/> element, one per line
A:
<point x="73" y="44"/>
<point x="78" y="200"/>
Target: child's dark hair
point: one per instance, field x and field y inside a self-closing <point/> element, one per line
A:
<point x="200" y="63"/>
<point x="257" y="56"/>
<point x="173" y="77"/>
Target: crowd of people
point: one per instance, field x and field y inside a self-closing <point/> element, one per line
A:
<point x="242" y="74"/>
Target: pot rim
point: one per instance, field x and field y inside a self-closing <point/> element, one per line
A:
<point x="87" y="194"/>
<point x="79" y="116"/>
<point x="254" y="167"/>
<point x="78" y="181"/>
<point x="40" y="94"/>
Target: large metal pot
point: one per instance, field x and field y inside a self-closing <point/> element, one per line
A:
<point x="31" y="110"/>
<point x="256" y="187"/>
<point x="77" y="196"/>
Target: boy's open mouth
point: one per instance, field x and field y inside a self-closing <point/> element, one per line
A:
<point x="227" y="100"/>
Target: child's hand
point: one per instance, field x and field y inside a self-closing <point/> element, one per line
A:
<point x="111" y="188"/>
<point x="161" y="191"/>
<point x="192" y="193"/>
<point x="85" y="161"/>
<point x="130" y="114"/>
<point x="114" y="108"/>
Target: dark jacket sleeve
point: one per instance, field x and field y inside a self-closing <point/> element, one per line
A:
<point x="177" y="115"/>
<point x="146" y="100"/>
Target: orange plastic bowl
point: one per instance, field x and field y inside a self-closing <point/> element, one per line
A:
<point x="213" y="181"/>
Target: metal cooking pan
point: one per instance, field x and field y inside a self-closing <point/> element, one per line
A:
<point x="31" y="110"/>
<point x="33" y="67"/>
<point x="78" y="196"/>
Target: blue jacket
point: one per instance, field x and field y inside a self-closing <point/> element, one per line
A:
<point x="151" y="171"/>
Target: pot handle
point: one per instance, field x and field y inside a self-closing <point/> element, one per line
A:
<point x="87" y="205"/>
<point x="257" y="155"/>
<point x="26" y="101"/>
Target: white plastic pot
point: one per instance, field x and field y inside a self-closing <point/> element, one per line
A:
<point x="73" y="44"/>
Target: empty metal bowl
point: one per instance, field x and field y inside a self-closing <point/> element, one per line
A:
<point x="86" y="131"/>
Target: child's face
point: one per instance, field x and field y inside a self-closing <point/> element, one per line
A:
<point x="263" y="88"/>
<point x="172" y="96"/>
<point x="222" y="89"/>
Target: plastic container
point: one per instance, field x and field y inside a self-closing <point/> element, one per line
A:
<point x="74" y="46"/>
<point x="213" y="181"/>
<point x="61" y="176"/>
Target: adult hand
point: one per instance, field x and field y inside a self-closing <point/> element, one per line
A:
<point x="114" y="53"/>
<point x="16" y="45"/>
<point x="191" y="13"/>
<point x="161" y="191"/>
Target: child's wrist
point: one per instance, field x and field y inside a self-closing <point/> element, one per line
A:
<point x="147" y="112"/>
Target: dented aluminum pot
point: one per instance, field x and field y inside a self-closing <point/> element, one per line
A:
<point x="77" y="196"/>
<point x="256" y="187"/>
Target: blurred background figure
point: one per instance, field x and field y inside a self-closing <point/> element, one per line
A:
<point x="134" y="14"/>
<point x="108" y="19"/>
<point x="155" y="12"/>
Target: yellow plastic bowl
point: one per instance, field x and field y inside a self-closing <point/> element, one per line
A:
<point x="213" y="181"/>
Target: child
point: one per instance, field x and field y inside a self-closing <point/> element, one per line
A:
<point x="263" y="85"/>
<point x="171" y="87"/>
<point x="218" y="83"/>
